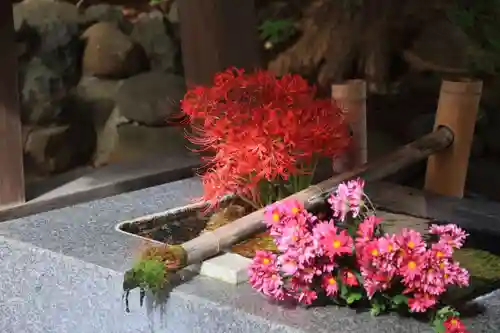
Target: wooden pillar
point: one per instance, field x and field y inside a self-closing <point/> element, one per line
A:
<point x="215" y="35"/>
<point x="11" y="150"/>
<point x="351" y="98"/>
<point x="457" y="109"/>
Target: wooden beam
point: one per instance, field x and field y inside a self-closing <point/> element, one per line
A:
<point x="11" y="150"/>
<point x="215" y="35"/>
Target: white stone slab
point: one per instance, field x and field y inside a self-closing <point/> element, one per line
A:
<point x="229" y="267"/>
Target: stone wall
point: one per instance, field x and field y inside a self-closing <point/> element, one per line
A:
<point x="96" y="86"/>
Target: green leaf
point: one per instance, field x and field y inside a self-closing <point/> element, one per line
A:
<point x="399" y="299"/>
<point x="344" y="291"/>
<point x="353" y="297"/>
<point x="378" y="306"/>
<point x="438" y="326"/>
<point x="276" y="31"/>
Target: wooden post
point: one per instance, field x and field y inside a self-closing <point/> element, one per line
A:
<point x="351" y="97"/>
<point x="457" y="109"/>
<point x="215" y="35"/>
<point x="11" y="150"/>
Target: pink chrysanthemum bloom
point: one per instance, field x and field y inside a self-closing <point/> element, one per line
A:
<point x="410" y="243"/>
<point x="411" y="268"/>
<point x="366" y="228"/>
<point x="449" y="234"/>
<point x="264" y="275"/>
<point x="356" y="195"/>
<point x="306" y="296"/>
<point x="454" y="274"/>
<point x="454" y="325"/>
<point x="347" y="198"/>
<point x="421" y="302"/>
<point x="329" y="283"/>
<point x="340" y="202"/>
<point x="293" y="235"/>
<point x="289" y="263"/>
<point x="331" y="241"/>
<point x="374" y="281"/>
<point x="349" y="278"/>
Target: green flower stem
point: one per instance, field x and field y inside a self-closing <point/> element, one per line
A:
<point x="250" y="202"/>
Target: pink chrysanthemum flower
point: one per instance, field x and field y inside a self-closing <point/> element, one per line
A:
<point x="449" y="234"/>
<point x="454" y="325"/>
<point x="329" y="283"/>
<point x="348" y="198"/>
<point x="349" y="278"/>
<point x="366" y="228"/>
<point x="339" y="202"/>
<point x="264" y="275"/>
<point x="331" y="241"/>
<point x="421" y="302"/>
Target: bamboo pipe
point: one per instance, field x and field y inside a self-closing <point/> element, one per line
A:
<point x="457" y="109"/>
<point x="351" y="98"/>
<point x="211" y="243"/>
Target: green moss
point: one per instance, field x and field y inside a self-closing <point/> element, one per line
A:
<point x="262" y="241"/>
<point x="479" y="263"/>
<point x="484" y="269"/>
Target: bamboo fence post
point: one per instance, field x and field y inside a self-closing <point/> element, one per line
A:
<point x="351" y="98"/>
<point x="457" y="109"/>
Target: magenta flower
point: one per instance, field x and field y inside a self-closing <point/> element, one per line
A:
<point x="366" y="228"/>
<point x="449" y="234"/>
<point x="331" y="241"/>
<point x="264" y="275"/>
<point x="348" y="198"/>
<point x="307" y="296"/>
<point x="421" y="302"/>
<point x="329" y="283"/>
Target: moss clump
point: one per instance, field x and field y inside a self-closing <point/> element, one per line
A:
<point x="151" y="271"/>
<point x="262" y="241"/>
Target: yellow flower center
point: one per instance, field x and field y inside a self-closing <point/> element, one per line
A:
<point x="454" y="322"/>
<point x="411" y="245"/>
<point x="374" y="252"/>
<point x="265" y="261"/>
<point x="336" y="244"/>
<point x="446" y="276"/>
<point x="389" y="248"/>
<point x="295" y="210"/>
<point x="412" y="265"/>
<point x="276" y="217"/>
<point x="439" y="254"/>
<point x="441" y="265"/>
<point x="332" y="281"/>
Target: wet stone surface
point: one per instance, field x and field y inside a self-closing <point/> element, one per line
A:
<point x="62" y="272"/>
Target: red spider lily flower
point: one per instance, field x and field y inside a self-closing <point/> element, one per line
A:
<point x="260" y="128"/>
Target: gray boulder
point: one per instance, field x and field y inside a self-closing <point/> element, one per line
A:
<point x="107" y="13"/>
<point x="53" y="34"/>
<point x="150" y="32"/>
<point x="42" y="93"/>
<point x="150" y="98"/>
<point x="109" y="53"/>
